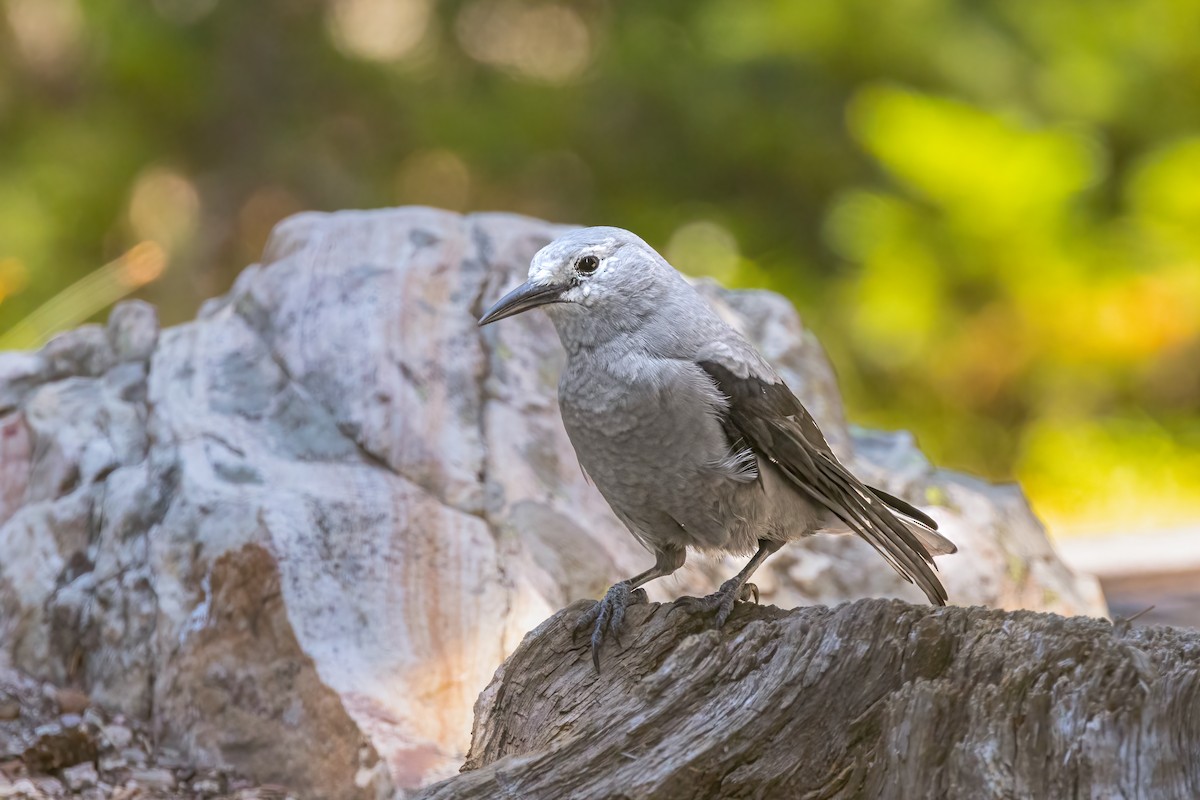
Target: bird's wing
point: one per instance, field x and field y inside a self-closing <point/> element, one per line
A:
<point x="769" y="418"/>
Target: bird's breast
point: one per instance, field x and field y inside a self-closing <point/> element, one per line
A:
<point x="649" y="435"/>
<point x="628" y="408"/>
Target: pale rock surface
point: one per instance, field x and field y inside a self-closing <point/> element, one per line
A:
<point x="299" y="534"/>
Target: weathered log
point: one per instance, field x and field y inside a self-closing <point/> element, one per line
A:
<point x="871" y="699"/>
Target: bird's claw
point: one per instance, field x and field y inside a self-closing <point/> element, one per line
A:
<point x="749" y="592"/>
<point x="605" y="617"/>
<point x="721" y="601"/>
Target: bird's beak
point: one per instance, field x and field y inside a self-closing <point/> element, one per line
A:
<point x="524" y="297"/>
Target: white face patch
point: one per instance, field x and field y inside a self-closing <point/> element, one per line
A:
<point x="581" y="295"/>
<point x="541" y="268"/>
<point x="556" y="264"/>
<point x="540" y="274"/>
<point x="587" y="300"/>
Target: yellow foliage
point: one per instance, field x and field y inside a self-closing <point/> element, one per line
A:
<point x="1110" y="475"/>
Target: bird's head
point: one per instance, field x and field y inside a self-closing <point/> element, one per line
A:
<point x="601" y="279"/>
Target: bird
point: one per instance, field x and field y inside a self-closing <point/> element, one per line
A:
<point x="690" y="435"/>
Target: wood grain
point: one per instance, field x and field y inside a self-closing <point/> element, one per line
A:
<point x="872" y="699"/>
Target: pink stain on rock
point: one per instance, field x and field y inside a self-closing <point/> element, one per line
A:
<point x="15" y="454"/>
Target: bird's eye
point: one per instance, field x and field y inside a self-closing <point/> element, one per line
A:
<point x="587" y="265"/>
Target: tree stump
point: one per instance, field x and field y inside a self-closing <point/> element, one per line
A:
<point x="871" y="699"/>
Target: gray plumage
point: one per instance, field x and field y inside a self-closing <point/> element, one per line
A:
<point x="690" y="435"/>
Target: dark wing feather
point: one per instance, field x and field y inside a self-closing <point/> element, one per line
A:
<point x="769" y="418"/>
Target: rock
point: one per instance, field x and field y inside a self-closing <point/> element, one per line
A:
<point x="153" y="778"/>
<point x="248" y="650"/>
<point x="875" y="698"/>
<point x="296" y="536"/>
<point x="133" y="331"/>
<point x="118" y="737"/>
<point x="57" y="747"/>
<point x="84" y="351"/>
<point x="23" y="788"/>
<point x="71" y="701"/>
<point x="206" y="788"/>
<point x="50" y="787"/>
<point x="81" y="776"/>
<point x="19" y="374"/>
<point x="113" y="763"/>
<point x="34" y="744"/>
<point x="15" y="454"/>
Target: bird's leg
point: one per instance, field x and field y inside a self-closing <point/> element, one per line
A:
<point x="732" y="590"/>
<point x="605" y="617"/>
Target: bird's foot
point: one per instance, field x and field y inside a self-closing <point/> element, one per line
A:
<point x="720" y="601"/>
<point x="605" y="617"/>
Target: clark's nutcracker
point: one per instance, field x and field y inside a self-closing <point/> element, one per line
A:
<point x="689" y="434"/>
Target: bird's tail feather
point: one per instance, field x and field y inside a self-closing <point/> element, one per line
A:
<point x="866" y="514"/>
<point x="891" y="537"/>
<point x="934" y="542"/>
<point x="923" y="526"/>
<point x="904" y="507"/>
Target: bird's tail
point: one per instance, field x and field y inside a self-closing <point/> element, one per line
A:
<point x="934" y="542"/>
<point x="923" y="526"/>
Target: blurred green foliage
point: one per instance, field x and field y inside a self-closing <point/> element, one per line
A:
<point x="990" y="211"/>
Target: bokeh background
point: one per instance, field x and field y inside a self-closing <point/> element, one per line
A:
<point x="989" y="211"/>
